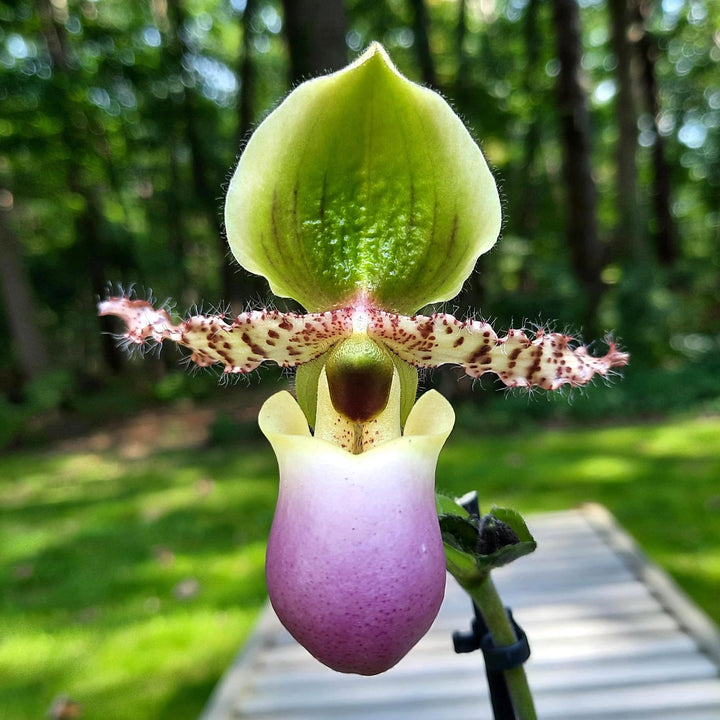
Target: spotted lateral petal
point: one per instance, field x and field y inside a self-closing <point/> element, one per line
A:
<point x="253" y="337"/>
<point x="548" y="360"/>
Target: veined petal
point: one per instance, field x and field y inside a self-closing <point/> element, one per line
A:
<point x="252" y="338"/>
<point x="547" y="361"/>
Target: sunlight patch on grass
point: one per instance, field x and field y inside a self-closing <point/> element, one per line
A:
<point x="154" y="505"/>
<point x="163" y="650"/>
<point x="708" y="562"/>
<point x="696" y="438"/>
<point x="93" y="467"/>
<point x="602" y="468"/>
<point x="170" y="641"/>
<point x="19" y="540"/>
<point x="65" y="478"/>
<point x="24" y="649"/>
<point x="140" y="663"/>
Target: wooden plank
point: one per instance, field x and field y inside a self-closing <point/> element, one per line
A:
<point x="473" y="711"/>
<point x="236" y="679"/>
<point x="550" y="650"/>
<point x="608" y="640"/>
<point x="315" y="693"/>
<point x="673" y="599"/>
<point x="619" y="703"/>
<point x="686" y="663"/>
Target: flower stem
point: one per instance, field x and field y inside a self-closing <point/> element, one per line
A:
<point x="486" y="598"/>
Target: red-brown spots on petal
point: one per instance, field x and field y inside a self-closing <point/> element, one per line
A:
<point x="240" y="346"/>
<point x="425" y="329"/>
<point x="254" y="347"/>
<point x="479" y="355"/>
<point x="516" y="358"/>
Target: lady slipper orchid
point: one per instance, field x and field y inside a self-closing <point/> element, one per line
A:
<point x="364" y="198"/>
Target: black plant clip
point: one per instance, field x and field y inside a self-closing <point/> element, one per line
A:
<point x="495" y="537"/>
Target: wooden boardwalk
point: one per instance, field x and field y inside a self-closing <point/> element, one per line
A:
<point x="611" y="637"/>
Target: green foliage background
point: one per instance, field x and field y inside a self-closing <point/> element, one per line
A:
<point x="113" y="163"/>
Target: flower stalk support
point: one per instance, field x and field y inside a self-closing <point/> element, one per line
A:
<point x="504" y="645"/>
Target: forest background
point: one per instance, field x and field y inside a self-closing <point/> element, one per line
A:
<point x="122" y="120"/>
<point x="132" y="570"/>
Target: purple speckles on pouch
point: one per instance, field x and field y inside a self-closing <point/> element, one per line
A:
<point x="355" y="562"/>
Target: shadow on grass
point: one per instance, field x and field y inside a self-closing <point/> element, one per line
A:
<point x="148" y="533"/>
<point x="188" y="699"/>
<point x="105" y="564"/>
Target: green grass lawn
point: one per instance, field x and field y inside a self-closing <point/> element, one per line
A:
<point x="660" y="480"/>
<point x="129" y="584"/>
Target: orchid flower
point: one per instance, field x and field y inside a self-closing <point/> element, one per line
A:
<point x="364" y="198"/>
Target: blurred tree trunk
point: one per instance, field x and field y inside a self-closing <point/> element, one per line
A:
<point x="90" y="241"/>
<point x="665" y="234"/>
<point x="177" y="240"/>
<point x="253" y="285"/>
<point x="207" y="192"/>
<point x="527" y="207"/>
<point x="175" y="198"/>
<point x="246" y="107"/>
<point x="315" y="32"/>
<point x="462" y="76"/>
<point x="581" y="193"/>
<point x="89" y="231"/>
<point x="628" y="235"/>
<point x="421" y="30"/>
<point x="27" y="339"/>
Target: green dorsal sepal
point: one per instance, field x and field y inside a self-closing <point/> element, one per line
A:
<point x="359" y="375"/>
<point x="362" y="184"/>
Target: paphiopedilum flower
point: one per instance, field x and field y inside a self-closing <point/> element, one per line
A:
<point x="364" y="198"/>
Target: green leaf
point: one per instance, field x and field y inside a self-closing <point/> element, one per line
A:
<point x="362" y="187"/>
<point x="508" y="554"/>
<point x="502" y="529"/>
<point x="462" y="566"/>
<point x="459" y="532"/>
<point x="447" y="505"/>
<point x="515" y="520"/>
